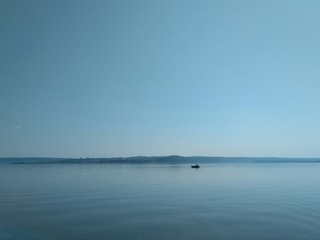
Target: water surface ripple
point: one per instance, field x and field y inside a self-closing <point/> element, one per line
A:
<point x="123" y="201"/>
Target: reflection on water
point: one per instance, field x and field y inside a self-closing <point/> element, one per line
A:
<point x="111" y="201"/>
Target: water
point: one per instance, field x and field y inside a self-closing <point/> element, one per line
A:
<point x="117" y="201"/>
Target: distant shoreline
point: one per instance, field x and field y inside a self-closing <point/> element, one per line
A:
<point x="157" y="160"/>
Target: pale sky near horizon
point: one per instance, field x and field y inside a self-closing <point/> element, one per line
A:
<point x="124" y="78"/>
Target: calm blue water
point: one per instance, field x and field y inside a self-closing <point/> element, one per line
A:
<point x="110" y="201"/>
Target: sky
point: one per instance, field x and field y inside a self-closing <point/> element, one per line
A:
<point x="159" y="77"/>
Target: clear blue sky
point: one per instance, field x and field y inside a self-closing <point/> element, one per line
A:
<point x="121" y="78"/>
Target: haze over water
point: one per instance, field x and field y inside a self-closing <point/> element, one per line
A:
<point x="84" y="80"/>
<point x="153" y="201"/>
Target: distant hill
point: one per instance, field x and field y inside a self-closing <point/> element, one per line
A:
<point x="174" y="159"/>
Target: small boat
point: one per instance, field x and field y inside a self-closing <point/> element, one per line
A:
<point x="195" y="166"/>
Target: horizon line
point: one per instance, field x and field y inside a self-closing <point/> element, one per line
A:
<point x="152" y="156"/>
